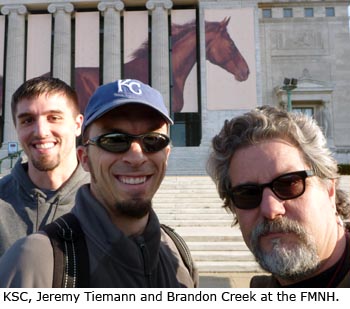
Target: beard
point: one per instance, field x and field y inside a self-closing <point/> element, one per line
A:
<point x="135" y="209"/>
<point x="44" y="164"/>
<point x="292" y="263"/>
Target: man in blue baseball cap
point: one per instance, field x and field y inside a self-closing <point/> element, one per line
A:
<point x="125" y="147"/>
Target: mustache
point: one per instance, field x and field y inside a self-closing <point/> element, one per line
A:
<point x="280" y="225"/>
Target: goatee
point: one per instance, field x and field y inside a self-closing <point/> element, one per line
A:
<point x="134" y="208"/>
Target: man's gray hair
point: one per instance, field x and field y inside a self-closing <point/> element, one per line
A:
<point x="265" y="123"/>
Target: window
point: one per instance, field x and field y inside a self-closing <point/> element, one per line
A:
<point x="309" y="12"/>
<point x="309" y="111"/>
<point x="330" y="11"/>
<point x="287" y="12"/>
<point x="267" y="13"/>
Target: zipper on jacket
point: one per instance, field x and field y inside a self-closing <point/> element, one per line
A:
<point x="37" y="195"/>
<point x="53" y="208"/>
<point x="146" y="261"/>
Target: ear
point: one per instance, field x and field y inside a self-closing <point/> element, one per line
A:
<point x="225" y="21"/>
<point x="79" y="122"/>
<point x="332" y="191"/>
<point x="168" y="150"/>
<point x="82" y="153"/>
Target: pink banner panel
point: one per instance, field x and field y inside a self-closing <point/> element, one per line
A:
<point x="184" y="61"/>
<point x="87" y="55"/>
<point x="136" y="48"/>
<point x="230" y="55"/>
<point x="38" y="45"/>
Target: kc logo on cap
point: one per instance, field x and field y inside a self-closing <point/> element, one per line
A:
<point x="132" y="85"/>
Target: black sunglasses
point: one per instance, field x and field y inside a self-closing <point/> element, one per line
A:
<point x="121" y="142"/>
<point x="285" y="187"/>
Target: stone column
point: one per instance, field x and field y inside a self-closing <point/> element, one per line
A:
<point x="160" y="47"/>
<point x="62" y="51"/>
<point x="15" y="55"/>
<point x="111" y="40"/>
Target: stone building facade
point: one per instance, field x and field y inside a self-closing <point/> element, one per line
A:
<point x="304" y="40"/>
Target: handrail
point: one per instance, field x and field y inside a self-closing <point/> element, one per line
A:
<point x="11" y="157"/>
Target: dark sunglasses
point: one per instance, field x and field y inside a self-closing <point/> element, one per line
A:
<point x="121" y="142"/>
<point x="285" y="187"/>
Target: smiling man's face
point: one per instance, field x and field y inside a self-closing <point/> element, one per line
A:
<point x="47" y="128"/>
<point x="125" y="182"/>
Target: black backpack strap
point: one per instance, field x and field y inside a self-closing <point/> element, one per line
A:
<point x="181" y="247"/>
<point x="71" y="258"/>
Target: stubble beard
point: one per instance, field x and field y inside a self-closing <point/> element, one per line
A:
<point x="44" y="164"/>
<point x="292" y="263"/>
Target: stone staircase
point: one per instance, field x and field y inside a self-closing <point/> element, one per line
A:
<point x="191" y="205"/>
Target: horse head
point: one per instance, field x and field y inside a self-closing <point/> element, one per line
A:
<point x="222" y="51"/>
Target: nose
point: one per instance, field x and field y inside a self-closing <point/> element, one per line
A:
<point x="135" y="155"/>
<point x="42" y="128"/>
<point x="271" y="206"/>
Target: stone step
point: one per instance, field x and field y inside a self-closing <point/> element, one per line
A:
<point x="185" y="201"/>
<point x="212" y="238"/>
<point x="183" y="217"/>
<point x="192" y="210"/>
<point x="208" y="245"/>
<point x="225" y="266"/>
<point x="200" y="205"/>
<point x="207" y="234"/>
<point x="187" y="197"/>
<point x="219" y="256"/>
<point x="193" y="186"/>
<point x="187" y="179"/>
<point x="195" y="223"/>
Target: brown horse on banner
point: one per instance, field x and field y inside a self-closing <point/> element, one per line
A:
<point x="220" y="50"/>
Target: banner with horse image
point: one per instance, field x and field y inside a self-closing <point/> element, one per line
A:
<point x="183" y="55"/>
<point x="184" y="61"/>
<point x="230" y="54"/>
<point x="230" y="51"/>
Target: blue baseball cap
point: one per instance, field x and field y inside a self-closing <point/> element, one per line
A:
<point x="122" y="92"/>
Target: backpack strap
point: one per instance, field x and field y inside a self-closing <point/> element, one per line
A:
<point x="181" y="247"/>
<point x="71" y="258"/>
